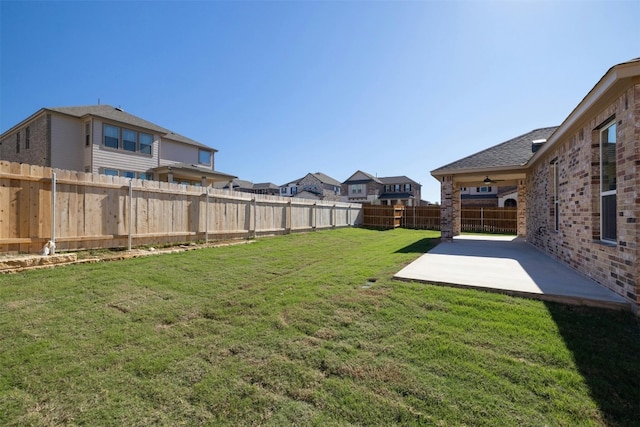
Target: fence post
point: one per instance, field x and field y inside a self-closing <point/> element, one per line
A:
<point x="255" y="217"/>
<point x="53" y="212"/>
<point x="206" y="216"/>
<point x="130" y="213"/>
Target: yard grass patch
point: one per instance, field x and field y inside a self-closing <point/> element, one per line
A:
<point x="305" y="329"/>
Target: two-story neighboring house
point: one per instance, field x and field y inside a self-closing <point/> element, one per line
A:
<point x="243" y="186"/>
<point x="362" y="187"/>
<point x="313" y="186"/>
<point x="107" y="140"/>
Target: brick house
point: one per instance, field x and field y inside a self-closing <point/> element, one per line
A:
<point x="578" y="184"/>
<point x="312" y="186"/>
<point x="362" y="187"/>
<point x="107" y="140"/>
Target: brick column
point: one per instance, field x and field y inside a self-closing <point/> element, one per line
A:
<point x="450" y="209"/>
<point x="522" y="209"/>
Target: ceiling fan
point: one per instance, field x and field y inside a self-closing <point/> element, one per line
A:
<point x="488" y="180"/>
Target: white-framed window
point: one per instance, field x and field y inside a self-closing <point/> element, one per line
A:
<point x="204" y="157"/>
<point x="283" y="190"/>
<point x="608" y="184"/>
<point x="407" y="188"/>
<point x="294" y="190"/>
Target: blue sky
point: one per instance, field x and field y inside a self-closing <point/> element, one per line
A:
<point x="283" y="88"/>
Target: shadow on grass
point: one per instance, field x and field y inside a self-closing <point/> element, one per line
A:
<point x="605" y="346"/>
<point x="421" y="246"/>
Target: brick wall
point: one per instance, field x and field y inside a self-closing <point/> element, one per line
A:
<point x="38" y="151"/>
<point x="577" y="240"/>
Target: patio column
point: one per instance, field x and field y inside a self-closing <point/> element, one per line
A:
<point x="450" y="209"/>
<point x="522" y="209"/>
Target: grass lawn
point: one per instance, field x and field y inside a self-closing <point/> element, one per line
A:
<point x="304" y="329"/>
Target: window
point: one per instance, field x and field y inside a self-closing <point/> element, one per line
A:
<point x="556" y="188"/>
<point x="27" y="137"/>
<point x="111" y="136"/>
<point x="204" y="157"/>
<point x="294" y="190"/>
<point x="387" y="188"/>
<point x="407" y="187"/>
<point x="608" y="185"/>
<point x="123" y="139"/>
<point x="18" y="142"/>
<point x="356" y="189"/>
<point x="146" y="142"/>
<point x="148" y="176"/>
<point x="111" y="172"/>
<point x="128" y="174"/>
<point x="87" y="134"/>
<point x="396" y="188"/>
<point x="283" y="190"/>
<point x="129" y="138"/>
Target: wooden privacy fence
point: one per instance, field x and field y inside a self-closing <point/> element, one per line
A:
<point x="87" y="211"/>
<point x="476" y="219"/>
<point x="489" y="220"/>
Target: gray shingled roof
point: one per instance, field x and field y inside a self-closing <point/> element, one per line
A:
<point x="116" y="114"/>
<point x="326" y="179"/>
<point x="396" y="179"/>
<point x="514" y="152"/>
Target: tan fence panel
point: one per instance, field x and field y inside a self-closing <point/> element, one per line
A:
<point x="98" y="211"/>
<point x="422" y="217"/>
<point x="489" y="220"/>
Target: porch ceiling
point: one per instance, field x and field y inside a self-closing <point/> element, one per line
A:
<point x="501" y="178"/>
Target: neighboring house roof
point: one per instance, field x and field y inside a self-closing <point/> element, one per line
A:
<point x="514" y="152"/>
<point x="326" y="179"/>
<point x="118" y="115"/>
<point x="397" y="180"/>
<point x="369" y="177"/>
<point x="194" y="171"/>
<point x="265" y="186"/>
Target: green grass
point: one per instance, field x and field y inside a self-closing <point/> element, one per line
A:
<point x="305" y="329"/>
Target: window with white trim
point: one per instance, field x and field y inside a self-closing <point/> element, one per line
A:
<point x="608" y="184"/>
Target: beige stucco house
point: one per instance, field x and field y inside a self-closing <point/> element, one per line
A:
<point x="578" y="185"/>
<point x="107" y="140"/>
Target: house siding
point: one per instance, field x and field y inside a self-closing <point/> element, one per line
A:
<point x="119" y="159"/>
<point x="175" y="152"/>
<point x="577" y="240"/>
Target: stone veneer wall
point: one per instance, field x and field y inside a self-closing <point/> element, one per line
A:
<point x="577" y="241"/>
<point x="38" y="151"/>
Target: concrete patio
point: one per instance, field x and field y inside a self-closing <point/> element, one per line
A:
<point x="508" y="265"/>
